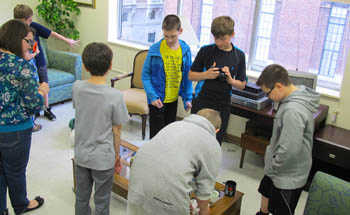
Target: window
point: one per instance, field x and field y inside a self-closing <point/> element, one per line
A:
<point x="141" y="19"/>
<point x="333" y="41"/>
<point x="152" y="14"/>
<point x="265" y="30"/>
<point x="206" y="18"/>
<point x="151" y="37"/>
<point x="125" y="16"/>
<point x="301" y="35"/>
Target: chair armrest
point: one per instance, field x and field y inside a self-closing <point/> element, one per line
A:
<point x="113" y="80"/>
<point x="65" y="61"/>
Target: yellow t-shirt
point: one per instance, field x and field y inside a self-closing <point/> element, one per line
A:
<point x="172" y="66"/>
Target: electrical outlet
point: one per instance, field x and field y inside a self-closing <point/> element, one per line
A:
<point x="334" y="116"/>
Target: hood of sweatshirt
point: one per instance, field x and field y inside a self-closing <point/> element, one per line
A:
<point x="304" y="96"/>
<point x="202" y="122"/>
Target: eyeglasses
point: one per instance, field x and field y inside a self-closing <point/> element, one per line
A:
<point x="29" y="41"/>
<point x="33" y="44"/>
<point x="268" y="93"/>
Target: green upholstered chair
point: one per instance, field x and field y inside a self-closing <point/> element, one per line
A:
<point x="328" y="195"/>
<point x="63" y="69"/>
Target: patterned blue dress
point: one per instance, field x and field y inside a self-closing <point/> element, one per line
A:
<point x="19" y="98"/>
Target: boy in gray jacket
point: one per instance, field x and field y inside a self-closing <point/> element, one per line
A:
<point x="288" y="157"/>
<point x="164" y="168"/>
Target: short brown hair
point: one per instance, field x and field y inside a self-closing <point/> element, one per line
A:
<point x="273" y="74"/>
<point x="171" y="22"/>
<point x="22" y="11"/>
<point x="212" y="116"/>
<point x="222" y="26"/>
<point x="97" y="58"/>
<point x="12" y="34"/>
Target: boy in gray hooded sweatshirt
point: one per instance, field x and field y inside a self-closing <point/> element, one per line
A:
<point x="288" y="158"/>
<point x="164" y="168"/>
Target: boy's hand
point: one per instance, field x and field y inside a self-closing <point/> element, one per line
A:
<point x="43" y="88"/>
<point x="157" y="103"/>
<point x="229" y="78"/>
<point x="204" y="211"/>
<point x="117" y="166"/>
<point x="72" y="43"/>
<point x="212" y="72"/>
<point x="203" y="207"/>
<point x="188" y="106"/>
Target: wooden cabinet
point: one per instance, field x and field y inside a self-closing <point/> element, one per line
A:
<point x="332" y="145"/>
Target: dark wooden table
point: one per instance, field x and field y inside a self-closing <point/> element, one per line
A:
<point x="225" y="205"/>
<point x="332" y="145"/>
<point x="263" y="123"/>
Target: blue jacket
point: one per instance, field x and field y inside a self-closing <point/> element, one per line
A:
<point x="153" y="74"/>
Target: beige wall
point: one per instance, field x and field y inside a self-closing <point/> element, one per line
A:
<point x="93" y="26"/>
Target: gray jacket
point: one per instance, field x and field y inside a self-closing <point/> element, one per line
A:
<point x="288" y="158"/>
<point x="165" y="167"/>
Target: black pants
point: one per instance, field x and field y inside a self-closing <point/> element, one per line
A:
<point x="281" y="202"/>
<point x="160" y="117"/>
<point x="224" y="110"/>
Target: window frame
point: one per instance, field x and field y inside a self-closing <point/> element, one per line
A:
<point x="331" y="34"/>
<point x="253" y="69"/>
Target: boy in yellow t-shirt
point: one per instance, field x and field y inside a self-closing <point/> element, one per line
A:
<point x="165" y="75"/>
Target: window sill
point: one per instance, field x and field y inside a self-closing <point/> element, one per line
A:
<point x="128" y="44"/>
<point x="324" y="92"/>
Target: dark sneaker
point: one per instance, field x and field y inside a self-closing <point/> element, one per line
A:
<point x="37" y="127"/>
<point x="6" y="212"/>
<point x="261" y="213"/>
<point x="48" y="114"/>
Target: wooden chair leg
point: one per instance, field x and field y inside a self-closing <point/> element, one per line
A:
<point x="242" y="158"/>
<point x="144" y="120"/>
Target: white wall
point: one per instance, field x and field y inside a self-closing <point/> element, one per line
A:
<point x="93" y="26"/>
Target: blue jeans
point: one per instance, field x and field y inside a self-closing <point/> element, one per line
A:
<point x="14" y="155"/>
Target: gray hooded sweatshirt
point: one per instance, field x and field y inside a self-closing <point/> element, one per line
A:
<point x="288" y="158"/>
<point x="165" y="167"/>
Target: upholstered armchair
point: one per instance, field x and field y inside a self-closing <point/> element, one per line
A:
<point x="328" y="195"/>
<point x="63" y="69"/>
<point x="135" y="97"/>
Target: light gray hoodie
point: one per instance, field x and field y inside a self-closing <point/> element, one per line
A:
<point x="288" y="158"/>
<point x="162" y="172"/>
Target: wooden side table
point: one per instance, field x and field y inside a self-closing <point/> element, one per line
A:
<point x="254" y="143"/>
<point x="256" y="138"/>
<point x="225" y="205"/>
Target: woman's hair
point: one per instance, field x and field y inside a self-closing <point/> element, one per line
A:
<point x="11" y="35"/>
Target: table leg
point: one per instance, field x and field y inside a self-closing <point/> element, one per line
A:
<point x="74" y="179"/>
<point x="242" y="158"/>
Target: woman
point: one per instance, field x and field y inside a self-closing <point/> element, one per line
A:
<point x="20" y="98"/>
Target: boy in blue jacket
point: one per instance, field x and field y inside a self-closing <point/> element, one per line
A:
<point x="165" y="75"/>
